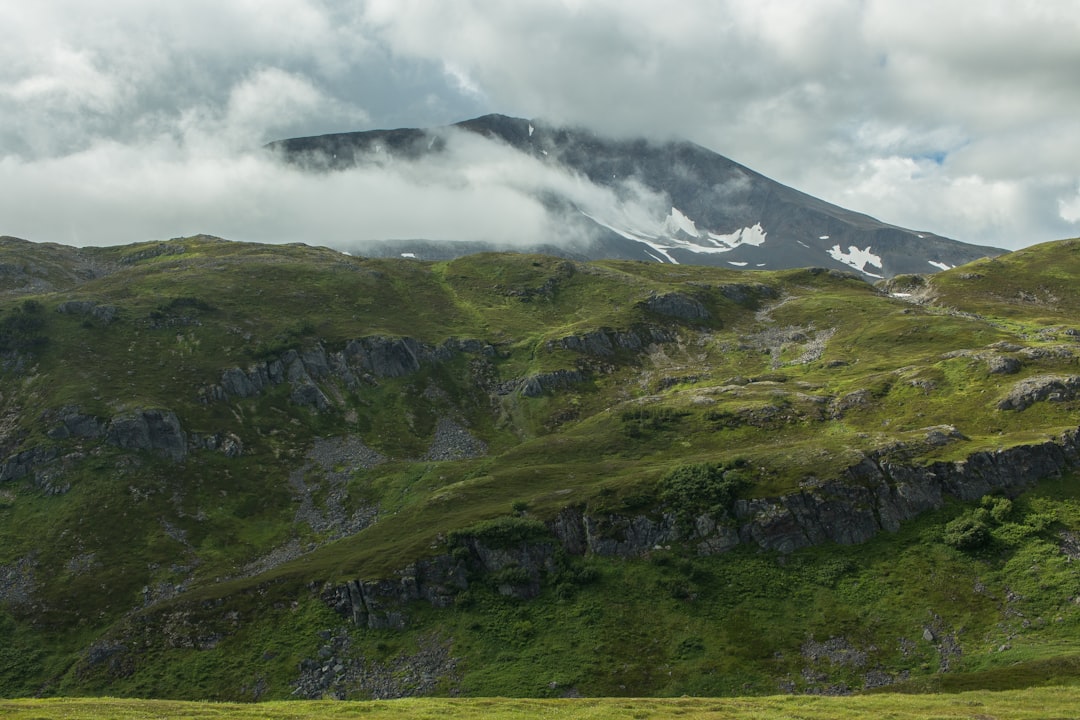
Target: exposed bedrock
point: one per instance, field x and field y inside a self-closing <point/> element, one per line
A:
<point x="871" y="496"/>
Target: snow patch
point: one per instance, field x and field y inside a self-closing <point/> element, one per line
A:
<point x="531" y="129"/>
<point x="754" y="235"/>
<point x="676" y="221"/>
<point x="676" y="231"/>
<point x="900" y="295"/>
<point x="823" y="237"/>
<point x="409" y="255"/>
<point x="856" y="258"/>
<point x="736" y="263"/>
<point x="941" y="265"/>
<point x="803" y="244"/>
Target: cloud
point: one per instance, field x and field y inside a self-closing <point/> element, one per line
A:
<point x="812" y="94"/>
<point x="475" y="190"/>
<point x="955" y="118"/>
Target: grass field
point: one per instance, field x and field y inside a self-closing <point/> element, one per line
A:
<point x="1042" y="704"/>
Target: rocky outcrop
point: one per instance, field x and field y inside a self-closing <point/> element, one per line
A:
<point x="365" y="360"/>
<point x="104" y="314"/>
<point x="227" y="443"/>
<point x="23" y="464"/>
<point x="71" y="423"/>
<point x="378" y="604"/>
<point x="606" y="342"/>
<point x="1052" y="388"/>
<point x="676" y="305"/>
<point x="536" y="385"/>
<point x="157" y="430"/>
<point x="749" y="294"/>
<point x="871" y="496"/>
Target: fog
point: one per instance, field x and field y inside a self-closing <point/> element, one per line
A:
<point x="474" y="190"/>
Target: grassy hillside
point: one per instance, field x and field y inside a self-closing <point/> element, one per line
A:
<point x="202" y="442"/>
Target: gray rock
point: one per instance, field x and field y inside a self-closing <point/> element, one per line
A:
<point x="25" y="463"/>
<point x="1003" y="365"/>
<point x="606" y="342"/>
<point x="536" y="385"/>
<point x="237" y="383"/>
<point x="1052" y="388"/>
<point x="158" y="430"/>
<point x="453" y="442"/>
<point x="677" y="305"/>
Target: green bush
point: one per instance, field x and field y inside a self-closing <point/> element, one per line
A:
<point x="970" y="531"/>
<point x="703" y="488"/>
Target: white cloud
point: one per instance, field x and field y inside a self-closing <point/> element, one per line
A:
<point x="476" y="190"/>
<point x="951" y="117"/>
<point x="1069" y="208"/>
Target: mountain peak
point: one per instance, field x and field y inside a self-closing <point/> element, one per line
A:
<point x="671" y="202"/>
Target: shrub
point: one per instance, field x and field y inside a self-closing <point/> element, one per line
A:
<point x="703" y="488"/>
<point x="970" y="531"/>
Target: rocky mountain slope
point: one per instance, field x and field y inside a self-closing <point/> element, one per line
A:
<point x="244" y="471"/>
<point x="670" y="202"/>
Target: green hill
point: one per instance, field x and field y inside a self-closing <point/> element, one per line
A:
<point x="237" y="471"/>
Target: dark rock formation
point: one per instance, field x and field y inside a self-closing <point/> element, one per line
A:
<point x="537" y="385"/>
<point x="24" y="463"/>
<point x="676" y="305"/>
<point x="871" y="496"/>
<point x="104" y="314"/>
<point x="149" y="430"/>
<point x="72" y="423"/>
<point x="364" y="360"/>
<point x="378" y="604"/>
<point x="607" y="342"/>
<point x="227" y="443"/>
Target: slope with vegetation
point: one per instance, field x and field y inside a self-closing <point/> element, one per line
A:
<point x="241" y="471"/>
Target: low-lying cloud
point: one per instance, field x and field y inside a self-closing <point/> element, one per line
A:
<point x="474" y="190"/>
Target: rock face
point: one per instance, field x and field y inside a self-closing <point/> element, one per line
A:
<point x="364" y="360"/>
<point x="606" y="342"/>
<point x="537" y="385"/>
<point x="23" y="464"/>
<point x="872" y="496"/>
<point x="678" y="306"/>
<point x="149" y="430"/>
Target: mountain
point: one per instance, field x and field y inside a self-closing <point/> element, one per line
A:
<point x="701" y="208"/>
<point x="241" y="471"/>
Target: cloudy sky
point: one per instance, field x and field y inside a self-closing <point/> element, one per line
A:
<point x="130" y="120"/>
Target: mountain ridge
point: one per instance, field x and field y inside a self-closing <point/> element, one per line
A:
<point x="745" y="218"/>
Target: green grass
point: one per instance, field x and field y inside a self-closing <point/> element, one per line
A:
<point x="1041" y="704"/>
